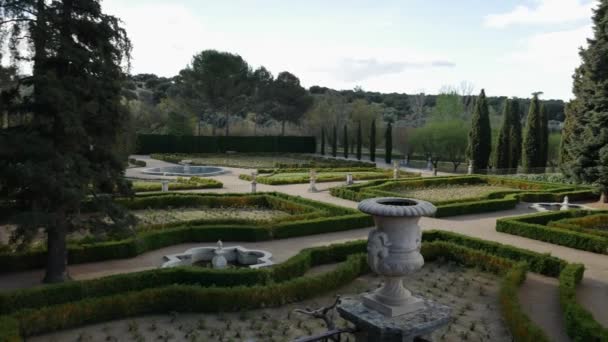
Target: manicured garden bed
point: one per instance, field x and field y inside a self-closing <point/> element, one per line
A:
<point x="304" y="217"/>
<point x="178" y="184"/>
<point x="571" y="228"/>
<point x="465" y="194"/>
<point x="298" y="176"/>
<point x="261" y="160"/>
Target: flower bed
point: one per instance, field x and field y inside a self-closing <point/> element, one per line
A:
<point x="558" y="228"/>
<point x="507" y="192"/>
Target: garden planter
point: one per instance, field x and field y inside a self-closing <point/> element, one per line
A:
<point x="393" y="251"/>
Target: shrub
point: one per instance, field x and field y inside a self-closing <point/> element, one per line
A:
<point x="535" y="226"/>
<point x="179" y="184"/>
<point x="137" y="162"/>
<point x="580" y="324"/>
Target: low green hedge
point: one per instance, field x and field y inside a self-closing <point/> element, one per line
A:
<point x="500" y="200"/>
<point x="594" y="224"/>
<point x="520" y="325"/>
<point x="537" y="226"/>
<point x="580" y="324"/>
<point x="137" y="162"/>
<point x="40" y="316"/>
<point x="179" y="184"/>
<point x="323" y="176"/>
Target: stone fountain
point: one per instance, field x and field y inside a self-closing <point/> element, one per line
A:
<point x="392" y="312"/>
<point x="220" y="257"/>
<point x="554" y="206"/>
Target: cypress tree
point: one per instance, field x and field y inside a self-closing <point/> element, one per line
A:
<point x="570" y="131"/>
<point x="531" y="149"/>
<point x="372" y="142"/>
<point x="388" y="144"/>
<point x="544" y="136"/>
<point x="345" y="142"/>
<point x="334" y="143"/>
<point x="323" y="141"/>
<point x="588" y="151"/>
<point x="480" y="136"/>
<point x="359" y="141"/>
<point x="503" y="146"/>
<point x="515" y="136"/>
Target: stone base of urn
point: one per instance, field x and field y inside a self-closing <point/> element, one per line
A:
<point x="374" y="326"/>
<point x="375" y="301"/>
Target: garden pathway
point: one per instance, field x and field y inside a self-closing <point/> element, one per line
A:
<point x="537" y="294"/>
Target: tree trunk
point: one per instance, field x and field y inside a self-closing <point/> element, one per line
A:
<point x="456" y="166"/>
<point x="282" y="128"/>
<point x="57" y="255"/>
<point x="227" y="128"/>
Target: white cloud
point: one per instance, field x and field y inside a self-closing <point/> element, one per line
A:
<point x="545" y="12"/>
<point x="353" y="70"/>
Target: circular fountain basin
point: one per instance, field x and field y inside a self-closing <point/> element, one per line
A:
<point x="554" y="206"/>
<point x="185" y="170"/>
<point x="236" y="255"/>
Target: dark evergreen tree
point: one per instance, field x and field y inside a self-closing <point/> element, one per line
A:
<point x="345" y="142"/>
<point x="588" y="151"/>
<point x="322" y="141"/>
<point x="359" y="141"/>
<point x="388" y="144"/>
<point x="372" y="141"/>
<point x="503" y="146"/>
<point x="571" y="130"/>
<point x="531" y="148"/>
<point x="334" y="143"/>
<point x="515" y="136"/>
<point x="544" y="136"/>
<point x="480" y="135"/>
<point x="65" y="153"/>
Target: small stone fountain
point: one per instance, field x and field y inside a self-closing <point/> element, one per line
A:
<point x="220" y="257"/>
<point x="186" y="163"/>
<point x="392" y="312"/>
<point x="555" y="206"/>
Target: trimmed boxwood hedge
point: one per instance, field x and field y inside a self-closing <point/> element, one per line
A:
<point x="500" y="200"/>
<point x="324" y="175"/>
<point x="538" y="226"/>
<point x="580" y="324"/>
<point x="179" y="184"/>
<point x="155" y="143"/>
<point x="310" y="217"/>
<point x="39" y="316"/>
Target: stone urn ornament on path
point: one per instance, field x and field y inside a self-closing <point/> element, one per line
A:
<point x="393" y="251"/>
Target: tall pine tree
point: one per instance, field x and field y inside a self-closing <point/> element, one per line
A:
<point x="480" y="135"/>
<point x="359" y="141"/>
<point x="372" y="141"/>
<point x="66" y="153"/>
<point x="388" y="144"/>
<point x="503" y="147"/>
<point x="345" y="142"/>
<point x="531" y="148"/>
<point x="587" y="153"/>
<point x="515" y="136"/>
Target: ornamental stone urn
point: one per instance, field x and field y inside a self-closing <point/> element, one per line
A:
<point x="254" y="182"/>
<point x="313" y="181"/>
<point x="393" y="251"/>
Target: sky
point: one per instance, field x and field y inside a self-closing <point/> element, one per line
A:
<point x="508" y="47"/>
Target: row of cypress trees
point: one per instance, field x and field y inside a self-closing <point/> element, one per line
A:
<point x="533" y="151"/>
<point x="372" y="147"/>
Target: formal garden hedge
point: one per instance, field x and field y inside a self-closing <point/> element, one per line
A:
<point x="49" y="308"/>
<point x="180" y="183"/>
<point x="560" y="228"/>
<point x="306" y="217"/>
<point x="287" y="176"/>
<point x="154" y="143"/>
<point x="526" y="191"/>
<point x="266" y="162"/>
